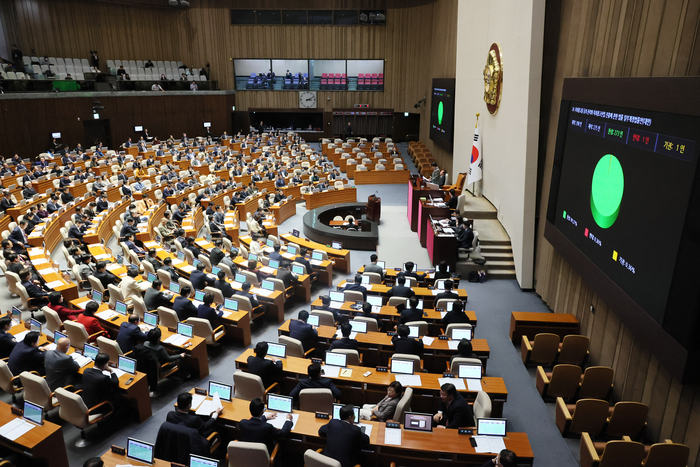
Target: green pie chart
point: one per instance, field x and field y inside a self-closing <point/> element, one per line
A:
<point x="607" y="189"/>
<point x="441" y="110"/>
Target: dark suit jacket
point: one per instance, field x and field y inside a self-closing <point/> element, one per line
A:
<point x="454" y="317"/>
<point x="400" y="291"/>
<point x="446" y="294"/>
<point x="407" y="345"/>
<point x="191" y="421"/>
<point x="303" y="332"/>
<point x="320" y="383"/>
<point x="74" y="232"/>
<point x="215" y="256"/>
<point x="200" y="280"/>
<point x="129" y="335"/>
<point x="266" y="369"/>
<point x="287" y="277"/>
<point x="105" y="277"/>
<point x="225" y="288"/>
<point x="60" y="369"/>
<point x="26" y="358"/>
<point x="7" y="343"/>
<point x="184" y="308"/>
<point x="154" y="298"/>
<point x="344" y="442"/>
<point x="410" y="314"/>
<point x="257" y="430"/>
<point x="33" y="291"/>
<point x="357" y="287"/>
<point x="207" y="312"/>
<point x="253" y="301"/>
<point x="306" y="263"/>
<point x="98" y="387"/>
<point x="16" y="236"/>
<point x="459" y="414"/>
<point x="344" y="343"/>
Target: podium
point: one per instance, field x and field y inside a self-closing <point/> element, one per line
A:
<point x="374" y="208"/>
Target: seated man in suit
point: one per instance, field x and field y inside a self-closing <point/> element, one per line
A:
<point x="168" y="267"/>
<point x="344" y="439"/>
<point x="18" y="237"/>
<point x="207" y="311"/>
<point x="130" y="334"/>
<point x="104" y="276"/>
<point x="27" y="355"/>
<point x="38" y="295"/>
<point x="457" y="315"/>
<point x="409" y="272"/>
<point x="195" y="251"/>
<point x="200" y="279"/>
<point x="128" y="228"/>
<point x="404" y="344"/>
<point x="97" y="386"/>
<point x="306" y="333"/>
<point x="357" y="286"/>
<point x="153" y="298"/>
<point x="268" y="368"/>
<point x="441" y="272"/>
<point x="400" y="289"/>
<point x="77" y="230"/>
<point x="6" y="201"/>
<point x="28" y="192"/>
<point x="453" y="410"/>
<point x="448" y="293"/>
<point x="245" y="292"/>
<point x="452" y="202"/>
<point x="221" y="284"/>
<point x="217" y="253"/>
<point x="374" y="267"/>
<point x="286" y="276"/>
<point x="412" y="313"/>
<point x="345" y="342"/>
<point x="183" y="306"/>
<point x="61" y="369"/>
<point x="257" y="430"/>
<point x="276" y="253"/>
<point x="181" y="415"/>
<point x="314" y="381"/>
<point x="7" y="340"/>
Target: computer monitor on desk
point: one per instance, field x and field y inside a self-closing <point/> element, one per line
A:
<point x="139" y="450"/>
<point x="491" y="426"/>
<point x="199" y="461"/>
<point x="276" y="350"/>
<point x="402" y="367"/>
<point x="418" y="421"/>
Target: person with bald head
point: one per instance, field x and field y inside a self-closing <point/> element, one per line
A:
<point x="61" y="369"/>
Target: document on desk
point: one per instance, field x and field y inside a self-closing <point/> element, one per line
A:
<point x="103" y="256"/>
<point x="409" y="380"/>
<point x="116" y="371"/>
<point x="330" y="371"/>
<point x="188" y="268"/>
<point x="435" y="291"/>
<point x="151" y="245"/>
<point x="197" y="399"/>
<point x="346" y="372"/>
<point x="113" y="266"/>
<point x="176" y="339"/>
<point x="428" y="340"/>
<point x="452" y="345"/>
<point x="48" y="271"/>
<point x="315" y="262"/>
<point x="489" y="444"/>
<point x="106" y="315"/>
<point x="16" y="428"/>
<point x="263" y="292"/>
<point x="19" y="337"/>
<point x="339" y="334"/>
<point x="474" y="385"/>
<point x="225" y="314"/>
<point x="54" y="284"/>
<point x="210" y="405"/>
<point x="80" y="359"/>
<point x="367" y="428"/>
<point x="39" y="261"/>
<point x="458" y="382"/>
<point x="280" y="419"/>
<point x="51" y="346"/>
<point x="392" y="436"/>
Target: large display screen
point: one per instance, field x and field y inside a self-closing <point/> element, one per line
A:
<point x="625" y="178"/>
<point x="442" y="111"/>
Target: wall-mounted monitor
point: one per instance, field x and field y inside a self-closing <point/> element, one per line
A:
<point x="207" y="124"/>
<point x="442" y="111"/>
<point x="56" y="135"/>
<point x="624" y="205"/>
<point x="138" y="128"/>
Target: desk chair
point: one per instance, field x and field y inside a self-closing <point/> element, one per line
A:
<point x="562" y="381"/>
<point x="28" y="303"/>
<point x="372" y="325"/>
<point x="72" y="409"/>
<point x="627" y="418"/>
<point x="453" y="365"/>
<point x="245" y="305"/>
<point x="353" y="296"/>
<point x="164" y="277"/>
<point x="482" y="405"/>
<point x="12" y="282"/>
<point x="542" y="351"/>
<point x="279" y="285"/>
<point x="393" y="301"/>
<point x="623" y="453"/>
<point x="325" y="318"/>
<point x="252" y="278"/>
<point x="243" y="454"/>
<point x="417" y="361"/>
<point x="573" y="350"/>
<point x="77" y="334"/>
<point x="596" y="383"/>
<point x="452" y="326"/>
<point x="185" y="282"/>
<point x="146" y="266"/>
<point x="587" y="415"/>
<point x="316" y="400"/>
<point x="422" y="327"/>
<point x="109" y="347"/>
<point x="442" y="303"/>
<point x="9" y="383"/>
<point x="82" y="284"/>
<point x="37" y="390"/>
<point x="96" y="284"/>
<point x="202" y="328"/>
<point x="53" y="321"/>
<point x="666" y="454"/>
<point x="115" y="293"/>
<point x="167" y="317"/>
<point x="374" y="277"/>
<point x="139" y="306"/>
<point x="248" y="386"/>
<point x="316" y="459"/>
<point x="294" y="347"/>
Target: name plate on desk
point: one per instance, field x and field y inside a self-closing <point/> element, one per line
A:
<point x="200" y="391"/>
<point x="444" y="338"/>
<point x="317" y="360"/>
<point x="390" y="333"/>
<point x="118" y="450"/>
<point x="382" y="369"/>
<point x="323" y="415"/>
<point x="448" y="375"/>
<point x="465" y="431"/>
<point x="393" y="425"/>
<point x="16" y="410"/>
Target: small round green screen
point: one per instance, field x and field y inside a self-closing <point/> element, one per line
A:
<point x="607" y="188"/>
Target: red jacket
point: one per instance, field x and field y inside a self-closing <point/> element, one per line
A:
<point x="92" y="326"/>
<point x="66" y="313"/>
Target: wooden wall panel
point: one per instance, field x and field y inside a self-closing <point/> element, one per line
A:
<point x="418" y="43"/>
<point x="601" y="39"/>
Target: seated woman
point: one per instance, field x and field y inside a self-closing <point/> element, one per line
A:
<point x="385" y="408"/>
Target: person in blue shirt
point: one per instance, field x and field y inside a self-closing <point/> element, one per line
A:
<point x="138" y="186"/>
